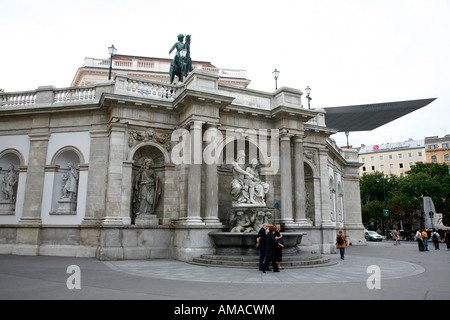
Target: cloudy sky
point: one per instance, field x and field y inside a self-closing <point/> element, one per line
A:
<point x="349" y="52"/>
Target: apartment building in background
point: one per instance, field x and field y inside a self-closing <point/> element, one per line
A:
<point x="437" y="149"/>
<point x="391" y="158"/>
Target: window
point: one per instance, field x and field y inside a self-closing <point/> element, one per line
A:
<point x="382" y="167"/>
<point x="364" y="169"/>
<point x="400" y="156"/>
<point x="433" y="159"/>
<point x="445" y="145"/>
<point x="419" y="153"/>
<point x="411" y="164"/>
<point x="409" y="154"/>
<point x="391" y="166"/>
<point x="372" y="159"/>
<point x="390" y="157"/>
<point x="400" y="165"/>
<point x="446" y="157"/>
<point x="363" y="159"/>
<point x="432" y="146"/>
<point x="381" y="158"/>
<point x="373" y="168"/>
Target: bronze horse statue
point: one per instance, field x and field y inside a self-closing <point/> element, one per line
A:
<point x="181" y="65"/>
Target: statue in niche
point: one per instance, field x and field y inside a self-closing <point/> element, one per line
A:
<point x="246" y="187"/>
<point x="70" y="182"/>
<point x="147" y="189"/>
<point x="8" y="184"/>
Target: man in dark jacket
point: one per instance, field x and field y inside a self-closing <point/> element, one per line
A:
<point x="261" y="244"/>
<point x="271" y="244"/>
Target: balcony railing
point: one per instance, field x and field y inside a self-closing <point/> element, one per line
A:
<point x="46" y="96"/>
<point x="158" y="66"/>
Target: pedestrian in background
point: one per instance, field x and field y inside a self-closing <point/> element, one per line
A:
<point x="419" y="240"/>
<point x="447" y="239"/>
<point x="425" y="239"/>
<point x="341" y="243"/>
<point x="435" y="237"/>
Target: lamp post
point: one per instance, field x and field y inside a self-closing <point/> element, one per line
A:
<point x="112" y="52"/>
<point x="385" y="211"/>
<point x="308" y="91"/>
<point x="276" y="74"/>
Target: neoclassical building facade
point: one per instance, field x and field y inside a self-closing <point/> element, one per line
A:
<point x="88" y="159"/>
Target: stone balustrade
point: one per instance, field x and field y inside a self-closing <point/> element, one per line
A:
<point x="158" y="66"/>
<point x="81" y="95"/>
<point x="146" y="89"/>
<point x="24" y="98"/>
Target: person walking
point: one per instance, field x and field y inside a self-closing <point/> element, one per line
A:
<point x="435" y="237"/>
<point x="341" y="243"/>
<point x="261" y="244"/>
<point x="419" y="239"/>
<point x="425" y="239"/>
<point x="447" y="239"/>
<point x="271" y="245"/>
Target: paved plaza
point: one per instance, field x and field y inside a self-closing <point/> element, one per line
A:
<point x="405" y="273"/>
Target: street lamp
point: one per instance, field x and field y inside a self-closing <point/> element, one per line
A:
<point x="276" y="74"/>
<point x="308" y="91"/>
<point x="112" y="52"/>
<point x="385" y="211"/>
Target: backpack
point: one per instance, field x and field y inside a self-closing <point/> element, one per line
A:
<point x="435" y="237"/>
<point x="340" y="240"/>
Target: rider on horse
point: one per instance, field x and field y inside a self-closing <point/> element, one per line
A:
<point x="178" y="65"/>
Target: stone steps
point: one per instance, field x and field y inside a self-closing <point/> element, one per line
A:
<point x="252" y="262"/>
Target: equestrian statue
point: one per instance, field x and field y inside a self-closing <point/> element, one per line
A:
<point x="181" y="64"/>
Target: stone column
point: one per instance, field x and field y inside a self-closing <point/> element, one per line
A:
<point x="35" y="178"/>
<point x="299" y="184"/>
<point x="212" y="183"/>
<point x="194" y="175"/>
<point x="286" y="179"/>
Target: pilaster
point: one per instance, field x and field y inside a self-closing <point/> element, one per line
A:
<point x="35" y="177"/>
<point x="299" y="184"/>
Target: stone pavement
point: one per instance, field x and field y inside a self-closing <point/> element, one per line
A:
<point x="352" y="269"/>
<point x="405" y="273"/>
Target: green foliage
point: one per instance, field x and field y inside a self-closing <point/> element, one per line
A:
<point x="404" y="195"/>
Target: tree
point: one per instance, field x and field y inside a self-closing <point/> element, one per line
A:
<point x="404" y="195"/>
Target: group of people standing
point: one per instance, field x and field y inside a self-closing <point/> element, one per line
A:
<point x="270" y="246"/>
<point x="423" y="236"/>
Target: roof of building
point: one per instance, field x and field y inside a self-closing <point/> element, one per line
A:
<point x="370" y="116"/>
<point x="437" y="139"/>
<point x="386" y="147"/>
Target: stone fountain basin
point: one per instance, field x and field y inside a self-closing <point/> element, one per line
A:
<point x="243" y="243"/>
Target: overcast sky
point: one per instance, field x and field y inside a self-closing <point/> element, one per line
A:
<point x="349" y="52"/>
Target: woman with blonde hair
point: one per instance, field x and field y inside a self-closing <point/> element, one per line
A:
<point x="341" y="243"/>
<point x="278" y="253"/>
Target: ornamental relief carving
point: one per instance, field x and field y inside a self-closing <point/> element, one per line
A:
<point x="311" y="156"/>
<point x="137" y="136"/>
